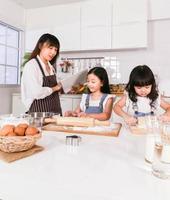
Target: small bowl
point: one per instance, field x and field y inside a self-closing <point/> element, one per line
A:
<point x="37" y="118"/>
<point x="42" y="114"/>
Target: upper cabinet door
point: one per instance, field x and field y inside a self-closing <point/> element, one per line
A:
<point x="95" y="38"/>
<point x="96" y="13"/>
<point x="132" y="35"/>
<point x="67" y="26"/>
<point x="159" y="9"/>
<point x="63" y="21"/>
<point x="96" y="25"/>
<point x="129" y="24"/>
<point x="129" y="11"/>
<point x="32" y="36"/>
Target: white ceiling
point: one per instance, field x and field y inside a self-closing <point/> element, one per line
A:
<point x="42" y="3"/>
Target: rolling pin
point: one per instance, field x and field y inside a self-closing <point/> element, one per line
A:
<point x="76" y="121"/>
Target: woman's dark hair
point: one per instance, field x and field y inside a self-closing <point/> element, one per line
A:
<point x="141" y="76"/>
<point x="50" y="40"/>
<point x="101" y="73"/>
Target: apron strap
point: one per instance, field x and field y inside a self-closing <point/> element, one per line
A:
<point x="102" y="100"/>
<point x="40" y="66"/>
<point x="87" y="101"/>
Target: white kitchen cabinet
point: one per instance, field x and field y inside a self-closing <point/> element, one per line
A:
<point x="94" y="38"/>
<point x="37" y="23"/>
<point x="113" y="25"/>
<point x="96" y="25"/>
<point x="129" y="24"/>
<point x="32" y="37"/>
<point x="17" y="105"/>
<point x="67" y="26"/>
<point x="90" y="25"/>
<point x="96" y="13"/>
<point x="129" y="11"/>
<point x="129" y="35"/>
<point x="63" y="21"/>
<point x="159" y="9"/>
<point x="69" y="36"/>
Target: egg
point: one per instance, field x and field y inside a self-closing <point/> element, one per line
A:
<point x="31" y="131"/>
<point x="20" y="131"/>
<point x="7" y="129"/>
<point x="23" y="125"/>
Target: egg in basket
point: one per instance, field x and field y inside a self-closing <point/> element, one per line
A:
<point x="18" y="138"/>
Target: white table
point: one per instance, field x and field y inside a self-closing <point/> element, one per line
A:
<point x="101" y="168"/>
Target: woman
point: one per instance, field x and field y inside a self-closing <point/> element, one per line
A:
<point x="39" y="88"/>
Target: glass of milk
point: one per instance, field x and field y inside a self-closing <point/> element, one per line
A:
<point x="153" y="127"/>
<point x="161" y="161"/>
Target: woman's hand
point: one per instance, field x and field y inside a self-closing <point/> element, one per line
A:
<point x="130" y="120"/>
<point x="57" y="87"/>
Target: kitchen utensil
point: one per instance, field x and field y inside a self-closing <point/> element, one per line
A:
<point x="37" y="118"/>
<point x="73" y="140"/>
<point x="75" y="121"/>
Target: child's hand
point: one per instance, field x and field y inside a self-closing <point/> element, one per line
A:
<point x="130" y="120"/>
<point x="67" y="113"/>
<point x="70" y="114"/>
<point x="82" y="114"/>
<point x="74" y="114"/>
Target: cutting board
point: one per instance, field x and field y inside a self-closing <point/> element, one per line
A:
<point x="113" y="130"/>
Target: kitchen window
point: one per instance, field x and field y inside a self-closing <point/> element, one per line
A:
<point x="10" y="54"/>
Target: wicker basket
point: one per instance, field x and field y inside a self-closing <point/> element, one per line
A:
<point x="17" y="143"/>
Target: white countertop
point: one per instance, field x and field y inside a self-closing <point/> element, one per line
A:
<point x="101" y="168"/>
<point x="71" y="96"/>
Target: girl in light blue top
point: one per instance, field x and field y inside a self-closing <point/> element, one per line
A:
<point x="98" y="102"/>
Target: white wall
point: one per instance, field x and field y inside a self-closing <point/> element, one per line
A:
<point x="13" y="15"/>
